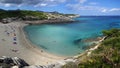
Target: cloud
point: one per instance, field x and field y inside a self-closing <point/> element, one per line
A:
<point x="41" y="4"/>
<point x="82" y="1"/>
<point x="114" y="9"/>
<point x="110" y="10"/>
<point x="79" y="7"/>
<point x="31" y="2"/>
<point x="87" y="6"/>
<point x="36" y="3"/>
<point x="91" y="6"/>
<point x="11" y="1"/>
<point x="104" y="10"/>
<point x="8" y="5"/>
<point x="49" y="3"/>
<point x="83" y="5"/>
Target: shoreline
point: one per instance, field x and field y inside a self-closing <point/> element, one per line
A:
<point x="65" y="57"/>
<point x="89" y="51"/>
<point x="33" y="46"/>
<point x="23" y="48"/>
<point x="28" y="44"/>
<point x="56" y="21"/>
<point x="32" y="54"/>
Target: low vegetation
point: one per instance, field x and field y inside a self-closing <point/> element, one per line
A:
<point x="106" y="56"/>
<point x="21" y="14"/>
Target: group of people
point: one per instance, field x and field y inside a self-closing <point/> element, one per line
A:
<point x="10" y="31"/>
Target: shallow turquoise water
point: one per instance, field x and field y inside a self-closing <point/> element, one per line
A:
<point x="60" y="38"/>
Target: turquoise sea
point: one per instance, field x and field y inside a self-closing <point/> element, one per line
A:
<point x="66" y="39"/>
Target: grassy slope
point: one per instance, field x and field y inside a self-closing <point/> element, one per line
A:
<point x="21" y="14"/>
<point x="106" y="56"/>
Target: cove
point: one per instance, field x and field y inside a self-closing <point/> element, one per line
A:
<point x="66" y="39"/>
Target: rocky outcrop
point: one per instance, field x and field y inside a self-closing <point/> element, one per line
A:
<point x="55" y="21"/>
<point x="12" y="62"/>
<point x="15" y="62"/>
<point x="8" y="20"/>
<point x="30" y="18"/>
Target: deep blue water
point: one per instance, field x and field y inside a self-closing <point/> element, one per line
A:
<point x="61" y="39"/>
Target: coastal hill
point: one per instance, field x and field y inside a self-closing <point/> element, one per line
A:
<point x="57" y="15"/>
<point x="7" y="16"/>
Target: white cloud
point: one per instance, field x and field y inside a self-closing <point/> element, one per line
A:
<point x="114" y="9"/>
<point x="110" y="10"/>
<point x="90" y="6"/>
<point x="104" y="10"/>
<point x="41" y="4"/>
<point x="7" y="5"/>
<point x="20" y="5"/>
<point x="11" y="1"/>
<point x="82" y="7"/>
<point x="79" y="7"/>
<point x="49" y="3"/>
<point x="36" y="3"/>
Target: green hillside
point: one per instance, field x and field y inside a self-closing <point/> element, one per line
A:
<point x="21" y="14"/>
<point x="106" y="56"/>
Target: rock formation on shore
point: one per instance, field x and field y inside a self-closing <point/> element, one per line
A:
<point x="12" y="62"/>
<point x="15" y="62"/>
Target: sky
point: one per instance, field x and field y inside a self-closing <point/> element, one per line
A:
<point x="81" y="7"/>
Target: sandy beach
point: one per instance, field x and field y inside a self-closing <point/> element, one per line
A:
<point x="14" y="43"/>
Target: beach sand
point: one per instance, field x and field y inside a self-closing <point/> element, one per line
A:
<point x="14" y="43"/>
